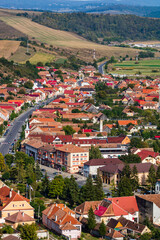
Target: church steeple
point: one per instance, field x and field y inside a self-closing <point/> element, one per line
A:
<point x="27" y="130"/>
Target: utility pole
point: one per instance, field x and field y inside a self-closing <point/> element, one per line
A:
<point x="94" y="54"/>
<point x="27" y="47"/>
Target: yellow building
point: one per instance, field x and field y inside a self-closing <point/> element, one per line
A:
<point x="12" y="203"/>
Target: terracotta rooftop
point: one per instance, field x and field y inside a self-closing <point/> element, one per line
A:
<point x="19" y="217"/>
<point x="70" y="148"/>
<point x="84" y="207"/>
<point x="154" y="198"/>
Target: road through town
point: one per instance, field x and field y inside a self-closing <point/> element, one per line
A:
<point x="6" y="142"/>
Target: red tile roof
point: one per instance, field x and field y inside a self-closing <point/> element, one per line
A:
<point x="144" y="154"/>
<point x="124" y="205"/>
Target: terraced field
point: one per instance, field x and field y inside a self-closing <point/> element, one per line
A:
<point x="63" y="39"/>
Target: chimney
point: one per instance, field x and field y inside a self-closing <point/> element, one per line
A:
<point x="101" y="125"/>
<point x="10" y="193"/>
<point x="55" y="218"/>
<point x="18" y="192"/>
<point x="22" y="214"/>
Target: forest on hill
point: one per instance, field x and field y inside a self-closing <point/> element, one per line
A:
<point x="103" y="27"/>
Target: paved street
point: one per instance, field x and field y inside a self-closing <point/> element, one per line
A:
<point x="16" y="126"/>
<point x="79" y="178"/>
<point x="101" y="68"/>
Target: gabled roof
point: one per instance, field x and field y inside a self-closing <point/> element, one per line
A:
<point x="11" y="237"/>
<point x="84" y="207"/>
<point x="19" y="217"/>
<point x="103" y="161"/>
<point x="145" y="153"/>
<point x="124" y="205"/>
<point x="60" y="214"/>
<point x="154" y="198"/>
<point x="7" y="195"/>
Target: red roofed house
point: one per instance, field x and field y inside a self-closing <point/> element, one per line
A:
<point x="61" y="219"/>
<point x="149" y="157"/>
<point x="12" y="203"/>
<point x="117" y="207"/>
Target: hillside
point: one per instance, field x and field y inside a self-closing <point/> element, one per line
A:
<point x="66" y="42"/>
<point x="103" y="27"/>
<point x="7" y="48"/>
<point x="8" y="32"/>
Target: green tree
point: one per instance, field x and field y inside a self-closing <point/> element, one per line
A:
<point x="137" y="142"/>
<point x="73" y="191"/>
<point x="134" y="178"/>
<point x="102" y="229"/>
<point x="5" y="176"/>
<point x="9" y="158"/>
<point x="94" y="153"/>
<point x="152" y="177"/>
<point x="1" y="129"/>
<point x="130" y="158"/>
<point x="2" y="162"/>
<point x="28" y="232"/>
<point x="28" y="84"/>
<point x="45" y="185"/>
<point x="56" y="187"/>
<point x="113" y="189"/>
<point x="21" y="174"/>
<point x="38" y="171"/>
<point x="124" y="187"/>
<point x="7" y="229"/>
<point x="30" y="174"/>
<point x="26" y="159"/>
<point x="146" y="236"/>
<point x="88" y="190"/>
<point x="99" y="193"/>
<point x="68" y="130"/>
<point x="91" y="219"/>
<point x="38" y="205"/>
<point x="158" y="172"/>
<point x="126" y="171"/>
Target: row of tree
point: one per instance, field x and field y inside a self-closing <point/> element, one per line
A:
<point x="129" y="181"/>
<point x="67" y="189"/>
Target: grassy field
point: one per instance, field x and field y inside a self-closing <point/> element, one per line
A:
<point x="21" y="56"/>
<point x="8" y="47"/>
<point x="42" y="57"/>
<point x="63" y="39"/>
<point x="150" y="67"/>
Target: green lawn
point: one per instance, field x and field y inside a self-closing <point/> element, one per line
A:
<point x="145" y="67"/>
<point x="42" y="57"/>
